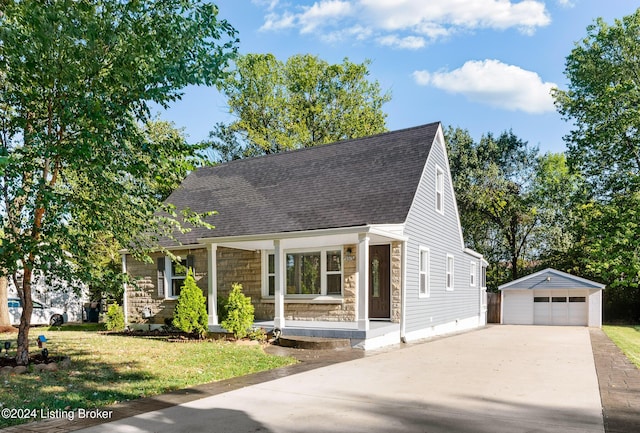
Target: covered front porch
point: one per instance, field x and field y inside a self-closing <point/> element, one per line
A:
<point x="332" y="283"/>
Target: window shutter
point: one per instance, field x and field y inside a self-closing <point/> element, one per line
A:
<point x="161" y="266"/>
<point x="191" y="260"/>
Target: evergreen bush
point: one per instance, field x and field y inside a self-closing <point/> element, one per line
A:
<point x="239" y="311"/>
<point x="114" y="320"/>
<point x="191" y="311"/>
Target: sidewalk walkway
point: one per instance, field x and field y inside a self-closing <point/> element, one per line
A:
<point x="619" y="381"/>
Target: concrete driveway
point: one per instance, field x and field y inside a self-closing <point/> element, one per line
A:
<point x="498" y="379"/>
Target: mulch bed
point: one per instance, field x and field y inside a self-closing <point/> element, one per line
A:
<point x="10" y="361"/>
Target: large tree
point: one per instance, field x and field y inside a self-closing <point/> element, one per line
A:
<point x="514" y="203"/>
<point x="78" y="157"/>
<point x="602" y="102"/>
<point x="302" y="102"/>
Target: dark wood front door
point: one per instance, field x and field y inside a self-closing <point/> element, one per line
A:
<point x="379" y="282"/>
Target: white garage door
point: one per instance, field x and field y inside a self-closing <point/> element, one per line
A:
<point x="517" y="308"/>
<point x="560" y="307"/>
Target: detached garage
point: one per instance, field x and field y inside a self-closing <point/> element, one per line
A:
<point x="552" y="297"/>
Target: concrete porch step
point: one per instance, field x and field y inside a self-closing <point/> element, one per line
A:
<point x="314" y="343"/>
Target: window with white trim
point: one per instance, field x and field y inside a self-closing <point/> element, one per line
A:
<point x="449" y="282"/>
<point x="439" y="190"/>
<point x="472" y="274"/>
<point x="309" y="273"/>
<point x="176" y="272"/>
<point x="271" y="274"/>
<point x="423" y="290"/>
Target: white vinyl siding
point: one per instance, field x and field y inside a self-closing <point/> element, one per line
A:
<point x="517" y="307"/>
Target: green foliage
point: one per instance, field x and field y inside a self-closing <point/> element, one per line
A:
<point x="302" y="102"/>
<point x="493" y="180"/>
<point x="258" y="334"/>
<point x="191" y="311"/>
<point x="239" y="311"/>
<point x="602" y="104"/>
<point x="82" y="160"/>
<point x="114" y="320"/>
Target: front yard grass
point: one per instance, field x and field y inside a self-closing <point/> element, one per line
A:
<point x="106" y="369"/>
<point x="627" y="338"/>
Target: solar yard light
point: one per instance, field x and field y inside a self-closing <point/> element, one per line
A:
<point x="42" y="341"/>
<point x="7" y="346"/>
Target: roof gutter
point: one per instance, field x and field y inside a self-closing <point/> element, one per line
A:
<point x="369" y="228"/>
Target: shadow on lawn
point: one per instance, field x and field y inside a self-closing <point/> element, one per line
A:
<point x="84" y="384"/>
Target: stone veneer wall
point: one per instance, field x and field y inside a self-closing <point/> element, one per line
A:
<point x="244" y="267"/>
<point x="144" y="290"/>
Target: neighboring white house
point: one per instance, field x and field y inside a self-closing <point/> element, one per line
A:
<point x="65" y="297"/>
<point x="552" y="297"/>
<point x="359" y="239"/>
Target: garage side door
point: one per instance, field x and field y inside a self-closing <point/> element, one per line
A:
<point x="517" y="308"/>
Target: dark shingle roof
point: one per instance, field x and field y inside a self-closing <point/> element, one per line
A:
<point x="369" y="180"/>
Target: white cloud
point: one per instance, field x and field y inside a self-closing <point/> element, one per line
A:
<point x="566" y="3"/>
<point x="408" y="42"/>
<point x="494" y="83"/>
<point x="499" y="14"/>
<point x="401" y="23"/>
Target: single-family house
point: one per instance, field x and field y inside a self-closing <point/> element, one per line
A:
<point x="359" y="239"/>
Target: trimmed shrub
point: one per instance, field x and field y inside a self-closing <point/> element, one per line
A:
<point x="191" y="311"/>
<point x="114" y="320"/>
<point x="239" y="311"/>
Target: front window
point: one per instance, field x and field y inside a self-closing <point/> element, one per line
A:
<point x="439" y="190"/>
<point x="308" y="273"/>
<point x="178" y="275"/>
<point x="472" y="274"/>
<point x="303" y="273"/>
<point x="424" y="272"/>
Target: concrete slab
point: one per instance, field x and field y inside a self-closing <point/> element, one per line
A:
<point x="498" y="379"/>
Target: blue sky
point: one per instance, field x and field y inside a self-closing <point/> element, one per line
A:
<point x="483" y="65"/>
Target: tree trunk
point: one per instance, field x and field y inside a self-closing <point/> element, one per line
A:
<point x="5" y="320"/>
<point x="22" y="357"/>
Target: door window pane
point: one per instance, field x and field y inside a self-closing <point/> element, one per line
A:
<point x="558" y="299"/>
<point x="375" y="277"/>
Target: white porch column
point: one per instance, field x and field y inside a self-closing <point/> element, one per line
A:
<point x="278" y="319"/>
<point x="363" y="282"/>
<point x="212" y="274"/>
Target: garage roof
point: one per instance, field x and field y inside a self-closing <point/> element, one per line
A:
<point x="551" y="279"/>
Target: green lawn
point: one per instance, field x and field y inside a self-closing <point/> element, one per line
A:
<point x="627" y="338"/>
<point x="107" y="369"/>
